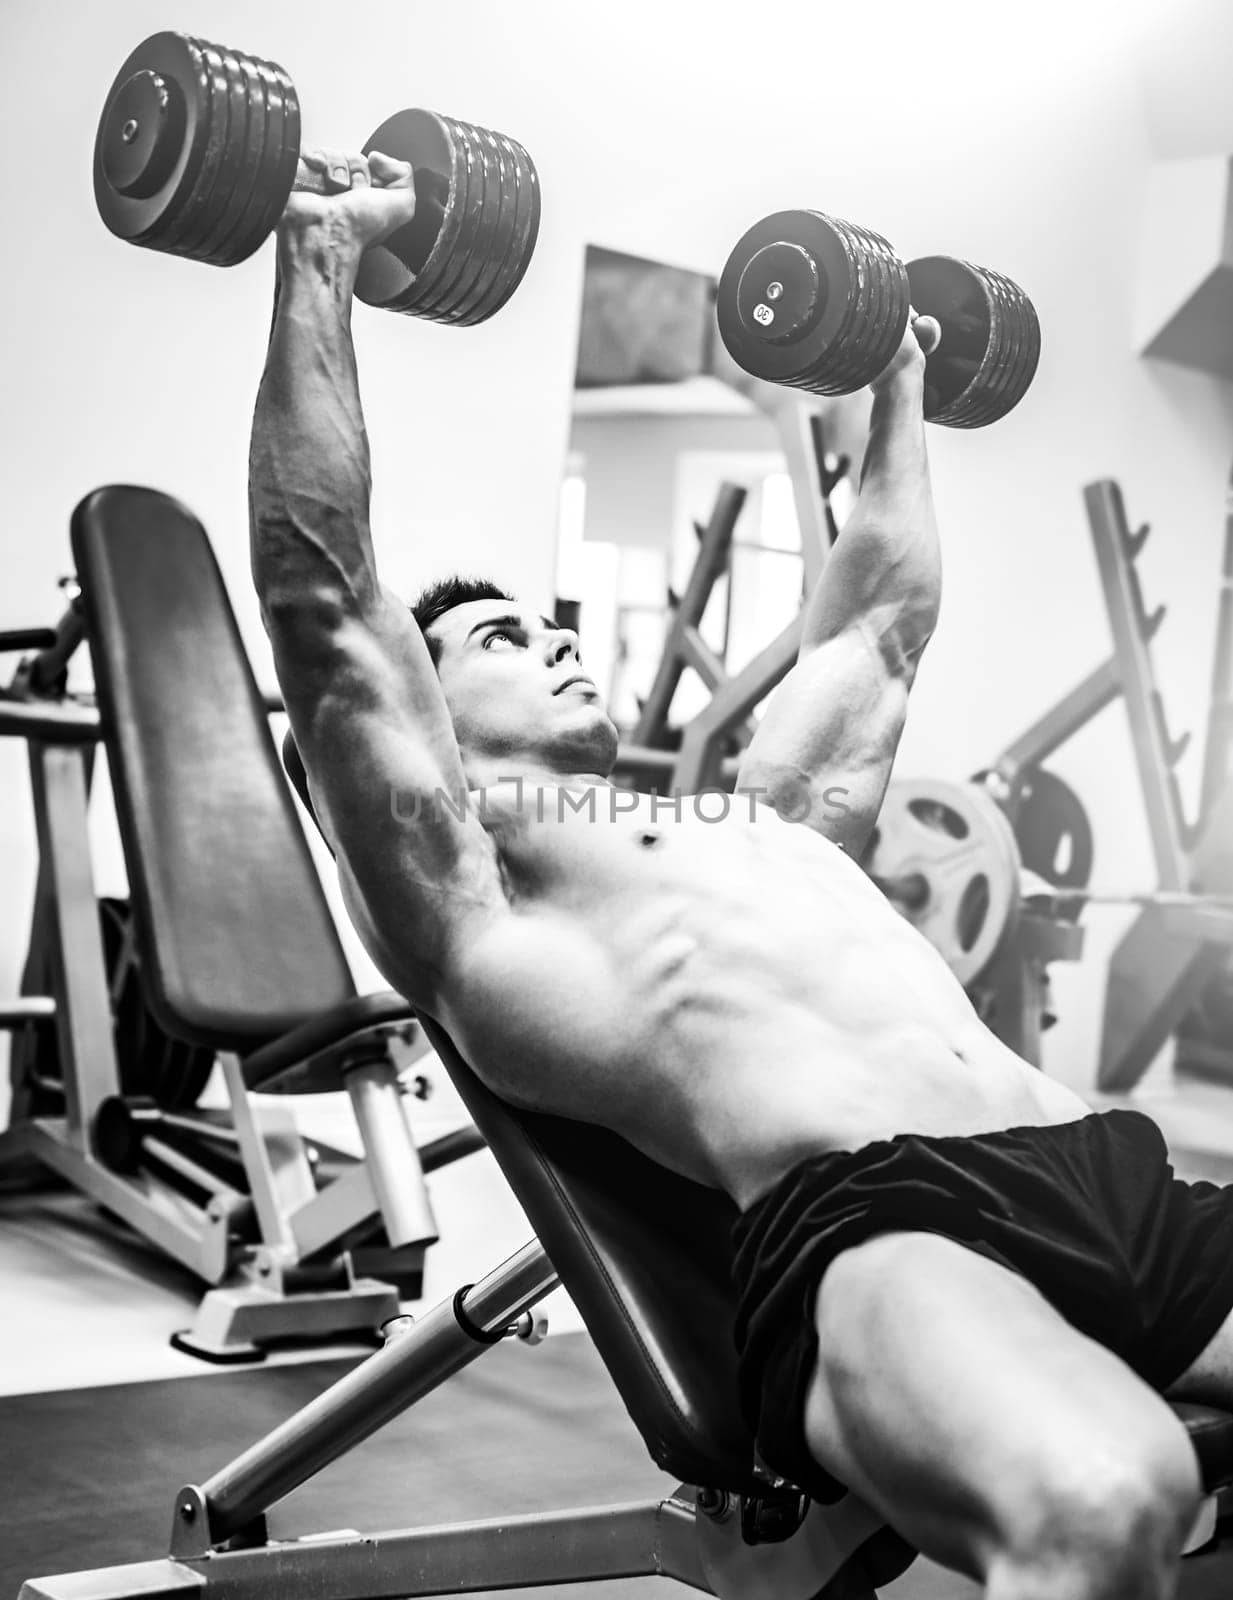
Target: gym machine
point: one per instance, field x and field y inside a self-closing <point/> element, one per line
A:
<point x="226" y="948"/>
<point x="1169" y="969"/>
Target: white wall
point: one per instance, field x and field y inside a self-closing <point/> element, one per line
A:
<point x="631" y="468"/>
<point x="1017" y="136"/>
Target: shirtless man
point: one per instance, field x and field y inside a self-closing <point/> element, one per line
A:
<point x="1007" y="1283"/>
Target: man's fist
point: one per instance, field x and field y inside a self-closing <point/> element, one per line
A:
<point x="921" y="338"/>
<point x="370" y="196"/>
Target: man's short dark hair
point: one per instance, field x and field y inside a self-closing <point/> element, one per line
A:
<point x="443" y="596"/>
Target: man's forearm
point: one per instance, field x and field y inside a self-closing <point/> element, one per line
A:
<point x="309" y="468"/>
<point x="887" y="560"/>
<point x="894" y="485"/>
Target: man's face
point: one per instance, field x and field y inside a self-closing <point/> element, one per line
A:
<point x="516" y="689"/>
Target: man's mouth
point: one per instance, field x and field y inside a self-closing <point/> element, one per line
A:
<point x="578" y="677"/>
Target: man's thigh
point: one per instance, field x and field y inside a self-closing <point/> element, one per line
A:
<point x="952" y="1397"/>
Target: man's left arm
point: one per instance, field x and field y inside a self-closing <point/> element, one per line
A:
<point x="824" y="748"/>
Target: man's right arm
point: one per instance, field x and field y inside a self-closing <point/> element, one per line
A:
<point x="359" y="685"/>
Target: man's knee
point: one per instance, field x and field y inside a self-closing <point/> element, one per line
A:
<point x="1104" y="1525"/>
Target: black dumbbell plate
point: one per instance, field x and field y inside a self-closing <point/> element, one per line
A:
<point x="813" y="302"/>
<point x="990" y="343"/>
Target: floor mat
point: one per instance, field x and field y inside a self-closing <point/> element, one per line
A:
<point x="88" y="1476"/>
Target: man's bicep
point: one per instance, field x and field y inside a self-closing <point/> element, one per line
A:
<point x="823" y="751"/>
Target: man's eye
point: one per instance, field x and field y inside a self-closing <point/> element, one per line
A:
<point x="499" y="634"/>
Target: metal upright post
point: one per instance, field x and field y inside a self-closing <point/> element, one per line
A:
<point x="83" y="1018"/>
<point x="1156" y="754"/>
<point x="1216" y="752"/>
<point x="683" y="645"/>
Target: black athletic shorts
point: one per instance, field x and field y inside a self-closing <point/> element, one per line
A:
<point x="1088" y="1211"/>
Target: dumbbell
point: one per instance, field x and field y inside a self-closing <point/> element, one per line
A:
<point x="819" y="304"/>
<point x="198" y="152"/>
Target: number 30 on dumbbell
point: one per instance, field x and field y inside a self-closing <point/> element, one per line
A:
<point x="819" y="304"/>
<point x="198" y="151"/>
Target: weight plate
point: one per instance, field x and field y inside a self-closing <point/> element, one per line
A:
<point x="458" y="176"/>
<point x="797" y="257"/>
<point x="169" y="155"/>
<point x="1013" y="382"/>
<point x="473" y="264"/>
<point x="525" y="230"/>
<point x="875" y="328"/>
<point x="491" y="236"/>
<point x="842" y="363"/>
<point x="265" y="130"/>
<point x="228" y="133"/>
<point x="441" y="264"/>
<point x="393" y="278"/>
<point x="289" y="153"/>
<point x="479" y="210"/>
<point x="477" y="217"/>
<point x="990" y="343"/>
<point x="187" y="221"/>
<point x="876" y="319"/>
<point x="953" y="293"/>
<point x="500" y="242"/>
<point x="147" y="1060"/>
<point x="490" y="293"/>
<point x="982" y="402"/>
<point x="457" y="305"/>
<point x="507" y="246"/>
<point x="246" y="144"/>
<point x="881" y="327"/>
<point x="946" y="857"/>
<point x="1052" y="829"/>
<point x="141" y="135"/>
<point x="280" y="157"/>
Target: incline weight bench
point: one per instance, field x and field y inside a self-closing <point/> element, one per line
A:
<point x="237" y="954"/>
<point x="645" y="1255"/>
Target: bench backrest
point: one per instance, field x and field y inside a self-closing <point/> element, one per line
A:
<point x="236" y="937"/>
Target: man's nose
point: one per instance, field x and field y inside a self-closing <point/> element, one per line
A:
<point x="563" y="642"/>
